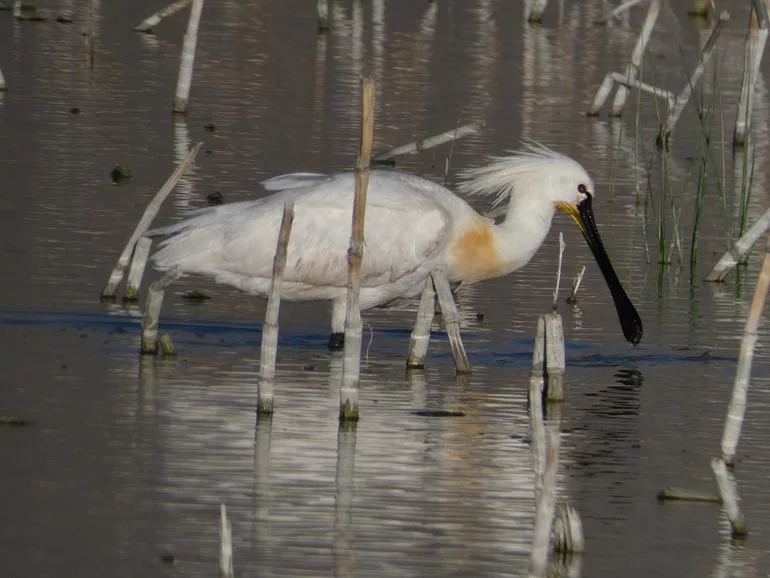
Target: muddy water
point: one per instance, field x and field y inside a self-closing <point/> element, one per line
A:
<point x="126" y="461"/>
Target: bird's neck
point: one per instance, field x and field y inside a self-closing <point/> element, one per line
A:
<point x="523" y="230"/>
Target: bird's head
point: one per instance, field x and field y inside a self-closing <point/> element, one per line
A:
<point x="539" y="174"/>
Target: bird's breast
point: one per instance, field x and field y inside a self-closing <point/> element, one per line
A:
<point x="473" y="255"/>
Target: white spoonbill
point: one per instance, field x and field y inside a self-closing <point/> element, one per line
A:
<point x="413" y="226"/>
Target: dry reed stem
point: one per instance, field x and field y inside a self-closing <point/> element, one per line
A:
<point x="269" y="347"/>
<point x="144" y="223"/>
<point x="150" y="22"/>
<point x="351" y="366"/>
<point x="184" y="81"/>
<point x="737" y="407"/>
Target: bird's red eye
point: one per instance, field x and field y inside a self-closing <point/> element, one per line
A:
<point x="582" y="189"/>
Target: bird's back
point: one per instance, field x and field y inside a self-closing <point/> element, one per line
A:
<point x="408" y="221"/>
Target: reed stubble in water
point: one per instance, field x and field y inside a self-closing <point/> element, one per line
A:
<point x="353" y="328"/>
<point x="269" y="347"/>
<point x="184" y="80"/>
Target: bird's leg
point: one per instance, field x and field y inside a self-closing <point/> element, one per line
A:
<point x="418" y="345"/>
<point x="337" y="337"/>
<point x="152" y="311"/>
<point x="452" y="321"/>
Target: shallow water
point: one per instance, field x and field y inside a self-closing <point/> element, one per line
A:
<point x="127" y="459"/>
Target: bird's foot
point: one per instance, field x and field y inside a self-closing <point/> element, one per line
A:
<point x="336" y="342"/>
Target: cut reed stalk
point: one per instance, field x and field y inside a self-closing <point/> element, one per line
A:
<point x="700" y="8"/>
<point x="136" y="272"/>
<point x="737" y="407"/>
<point x="144" y="223"/>
<point x="269" y="347"/>
<point x="728" y="491"/>
<point x="568" y="534"/>
<point x="420" y="339"/>
<point x="150" y="22"/>
<point x="426" y="143"/>
<point x="534" y="9"/>
<point x="184" y="81"/>
<point x="451" y="321"/>
<point x="322" y="10"/>
<point x="352" y="358"/>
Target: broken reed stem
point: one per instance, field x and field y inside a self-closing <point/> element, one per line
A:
<point x="728" y="491"/>
<point x="136" y="272"/>
<point x="426" y="143"/>
<point x="269" y="347"/>
<point x="3" y="86"/>
<point x="568" y="534"/>
<point x="742" y="246"/>
<point x="737" y="407"/>
<point x="351" y="365"/>
<point x="632" y="70"/>
<point x="705" y="56"/>
<point x="625" y="6"/>
<point x="755" y="48"/>
<point x="451" y="321"/>
<point x="150" y="22"/>
<point x="144" y="223"/>
<point x="225" y="544"/>
<point x="420" y="339"/>
<point x="562" y="246"/>
<point x="572" y="299"/>
<point x="184" y="80"/>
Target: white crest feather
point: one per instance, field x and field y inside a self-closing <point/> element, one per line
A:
<point x="504" y="174"/>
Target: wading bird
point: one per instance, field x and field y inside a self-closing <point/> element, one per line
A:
<point x="413" y="226"/>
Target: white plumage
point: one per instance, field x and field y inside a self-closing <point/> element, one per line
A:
<point x="412" y="226"/>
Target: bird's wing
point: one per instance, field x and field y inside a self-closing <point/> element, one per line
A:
<point x="403" y="229"/>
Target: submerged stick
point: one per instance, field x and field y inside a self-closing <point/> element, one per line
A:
<point x="269" y="347"/>
<point x="351" y="365"/>
<point x="683" y="495"/>
<point x="151" y="314"/>
<point x="144" y="223"/>
<point x="150" y="22"/>
<point x="418" y="343"/>
<point x="225" y="544"/>
<point x="188" y="59"/>
<point x="136" y="272"/>
<point x="737" y="407"/>
<point x="729" y="493"/>
<point x="426" y="143"/>
<point x="451" y="321"/>
<point x="343" y="498"/>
